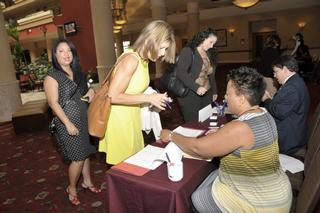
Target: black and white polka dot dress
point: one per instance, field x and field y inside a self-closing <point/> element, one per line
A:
<point x="73" y="147"/>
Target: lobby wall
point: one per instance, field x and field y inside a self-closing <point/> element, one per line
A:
<point x="286" y="26"/>
<point x="79" y="11"/>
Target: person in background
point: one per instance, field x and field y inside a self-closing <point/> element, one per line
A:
<point x="249" y="176"/>
<point x="290" y="105"/>
<point x="301" y="54"/>
<point x="201" y="77"/>
<point x="270" y="52"/>
<point x="123" y="136"/>
<point x="64" y="86"/>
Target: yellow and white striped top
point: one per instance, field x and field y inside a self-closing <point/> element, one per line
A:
<point x="252" y="180"/>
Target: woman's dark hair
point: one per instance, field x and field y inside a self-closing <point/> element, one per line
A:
<point x="75" y="64"/>
<point x="248" y="82"/>
<point x="200" y="37"/>
<point x="299" y="37"/>
<point x="286" y="61"/>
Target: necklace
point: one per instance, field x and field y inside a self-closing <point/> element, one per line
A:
<point x="248" y="110"/>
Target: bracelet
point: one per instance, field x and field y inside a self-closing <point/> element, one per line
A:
<point x="170" y="135"/>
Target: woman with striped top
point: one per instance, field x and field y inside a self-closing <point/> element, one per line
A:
<point x="249" y="178"/>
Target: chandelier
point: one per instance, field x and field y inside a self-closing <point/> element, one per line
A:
<point x="119" y="11"/>
<point x="245" y="3"/>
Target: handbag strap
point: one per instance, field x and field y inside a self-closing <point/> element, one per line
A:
<point x="74" y="92"/>
<point x="112" y="72"/>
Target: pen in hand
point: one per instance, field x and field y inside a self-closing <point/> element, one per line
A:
<point x="166" y="102"/>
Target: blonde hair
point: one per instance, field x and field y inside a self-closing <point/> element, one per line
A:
<point x="152" y="36"/>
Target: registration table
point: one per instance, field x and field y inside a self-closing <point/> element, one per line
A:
<point x="154" y="192"/>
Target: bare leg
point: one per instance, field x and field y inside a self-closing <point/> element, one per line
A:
<point x="87" y="182"/>
<point x="86" y="173"/>
<point x="74" y="172"/>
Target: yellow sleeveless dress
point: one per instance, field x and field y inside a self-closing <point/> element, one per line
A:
<point x="123" y="136"/>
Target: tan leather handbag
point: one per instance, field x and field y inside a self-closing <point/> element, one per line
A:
<point x="100" y="106"/>
<point x="99" y="110"/>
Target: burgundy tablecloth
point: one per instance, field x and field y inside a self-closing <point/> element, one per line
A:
<point x="154" y="192"/>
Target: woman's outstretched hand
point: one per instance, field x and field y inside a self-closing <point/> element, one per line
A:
<point x="165" y="135"/>
<point x="159" y="100"/>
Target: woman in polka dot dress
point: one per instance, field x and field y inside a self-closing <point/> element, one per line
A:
<point x="64" y="86"/>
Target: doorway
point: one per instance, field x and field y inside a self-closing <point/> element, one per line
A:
<point x="258" y="40"/>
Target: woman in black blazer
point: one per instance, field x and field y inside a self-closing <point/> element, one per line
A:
<point x="196" y="71"/>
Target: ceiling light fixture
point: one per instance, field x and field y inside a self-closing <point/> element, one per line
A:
<point x="245" y="3"/>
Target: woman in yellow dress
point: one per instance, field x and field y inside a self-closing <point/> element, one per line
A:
<point x="123" y="136"/>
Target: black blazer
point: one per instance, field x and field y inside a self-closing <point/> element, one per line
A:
<point x="289" y="107"/>
<point x="187" y="58"/>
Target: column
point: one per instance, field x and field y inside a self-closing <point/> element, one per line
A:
<point x="33" y="51"/>
<point x="159" y="12"/>
<point x="119" y="42"/>
<point x="103" y="36"/>
<point x="49" y="45"/>
<point x="10" y="99"/>
<point x="193" y="18"/>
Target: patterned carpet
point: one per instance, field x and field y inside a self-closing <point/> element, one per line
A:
<point x="33" y="177"/>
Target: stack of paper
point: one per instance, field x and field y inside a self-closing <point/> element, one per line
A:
<point x="188" y="132"/>
<point x="150" y="157"/>
<point x="291" y="164"/>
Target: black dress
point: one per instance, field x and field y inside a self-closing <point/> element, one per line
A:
<point x="73" y="147"/>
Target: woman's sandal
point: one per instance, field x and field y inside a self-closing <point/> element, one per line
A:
<point x="73" y="198"/>
<point x="92" y="188"/>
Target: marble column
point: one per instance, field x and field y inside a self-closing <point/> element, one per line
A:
<point x="192" y="18"/>
<point x="119" y="41"/>
<point x="49" y="45"/>
<point x="10" y="99"/>
<point x="103" y="36"/>
<point x="159" y="12"/>
<point x="32" y="47"/>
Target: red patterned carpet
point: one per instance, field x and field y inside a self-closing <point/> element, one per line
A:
<point x="34" y="178"/>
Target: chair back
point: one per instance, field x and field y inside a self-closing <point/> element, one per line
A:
<point x="313" y="146"/>
<point x="315" y="120"/>
<point x="309" y="194"/>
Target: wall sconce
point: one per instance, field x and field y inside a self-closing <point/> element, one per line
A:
<point x="231" y="31"/>
<point x="242" y="41"/>
<point x="29" y="30"/>
<point x="301" y="25"/>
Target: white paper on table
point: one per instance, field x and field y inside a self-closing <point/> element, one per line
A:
<point x="149" y="157"/>
<point x="291" y="164"/>
<point x="205" y="113"/>
<point x="188" y="132"/>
